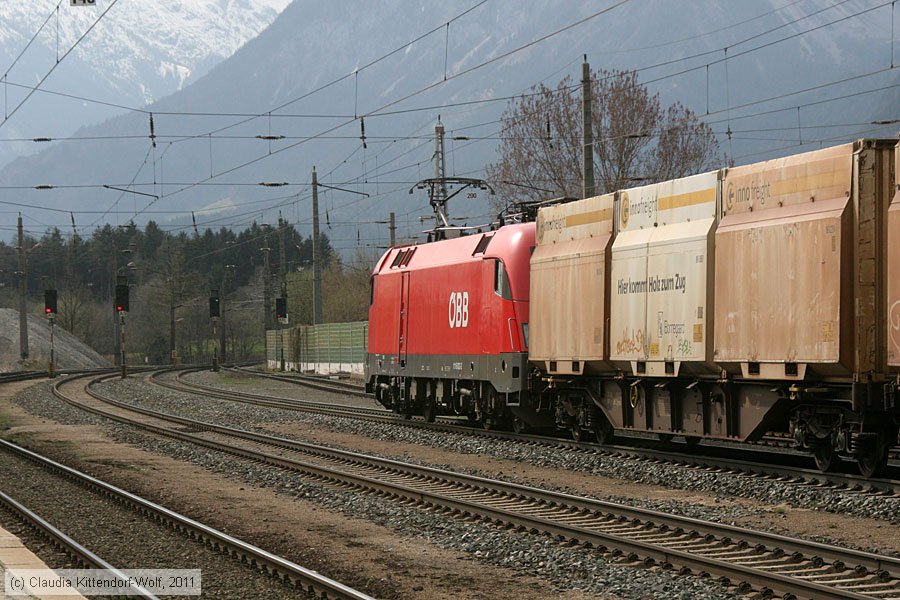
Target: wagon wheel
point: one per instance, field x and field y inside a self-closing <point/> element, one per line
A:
<point x="826" y="457"/>
<point x="873" y="459"/>
<point x="665" y="438"/>
<point x="603" y="431"/>
<point x="429" y="410"/>
<point x="692" y="440"/>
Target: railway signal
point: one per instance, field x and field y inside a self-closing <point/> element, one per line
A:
<point x="121" y="297"/>
<point x="281" y="308"/>
<point x="50" y="302"/>
<point x="50" y="311"/>
<point x="214" y="313"/>
<point x="121" y="305"/>
<point x="214" y="309"/>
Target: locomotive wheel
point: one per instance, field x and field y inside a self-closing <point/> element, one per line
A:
<point x="873" y="460"/>
<point x="490" y="419"/>
<point x="603" y="431"/>
<point x="578" y="433"/>
<point x="429" y="410"/>
<point x="519" y="426"/>
<point x="826" y="457"/>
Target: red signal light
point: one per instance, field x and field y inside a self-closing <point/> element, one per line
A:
<point x="119" y="308"/>
<point x="48" y="310"/>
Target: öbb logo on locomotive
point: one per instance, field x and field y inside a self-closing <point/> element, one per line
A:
<point x="458" y="310"/>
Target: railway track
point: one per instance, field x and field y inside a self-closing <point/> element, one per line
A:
<point x="752" y="461"/>
<point x="267" y="562"/>
<point x="68" y="545"/>
<point x="28" y="375"/>
<point x="751" y="561"/>
<point x="315" y="382"/>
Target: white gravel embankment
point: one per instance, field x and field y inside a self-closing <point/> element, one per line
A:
<point x="69" y="351"/>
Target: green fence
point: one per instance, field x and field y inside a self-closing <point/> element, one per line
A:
<point x="341" y="345"/>
<point x="332" y="343"/>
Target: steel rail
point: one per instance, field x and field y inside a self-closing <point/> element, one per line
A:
<point x="71" y="547"/>
<point x="319" y="383"/>
<point x="715" y="457"/>
<point x="304" y="578"/>
<point x="271" y="401"/>
<point x="806" y="559"/>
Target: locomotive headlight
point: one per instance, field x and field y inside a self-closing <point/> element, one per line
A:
<point x="525" y="334"/>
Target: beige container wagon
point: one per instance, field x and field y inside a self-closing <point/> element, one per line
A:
<point x="800" y="270"/>
<point x="893" y="266"/>
<point x="662" y="267"/>
<point x="661" y="306"/>
<point x="569" y="300"/>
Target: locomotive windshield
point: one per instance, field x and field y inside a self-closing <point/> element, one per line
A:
<point x="501" y="281"/>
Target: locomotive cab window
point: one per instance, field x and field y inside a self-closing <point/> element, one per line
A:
<point x="398" y="258"/>
<point x="501" y="281"/>
<point x="371" y="290"/>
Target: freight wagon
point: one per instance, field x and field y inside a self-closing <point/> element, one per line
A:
<point x="723" y="305"/>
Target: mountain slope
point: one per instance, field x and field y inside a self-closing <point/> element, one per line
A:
<point x="311" y="43"/>
<point x="138" y="53"/>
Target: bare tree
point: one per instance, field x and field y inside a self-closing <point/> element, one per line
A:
<point x="74" y="305"/>
<point x="636" y="139"/>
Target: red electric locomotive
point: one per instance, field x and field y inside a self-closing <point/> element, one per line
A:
<point x="448" y="326"/>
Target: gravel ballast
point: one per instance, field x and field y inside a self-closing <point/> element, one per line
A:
<point x="127" y="539"/>
<point x="567" y="567"/>
<point x="722" y="485"/>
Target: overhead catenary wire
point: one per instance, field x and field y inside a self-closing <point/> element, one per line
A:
<point x="25" y="49"/>
<point x="56" y="64"/>
<point x="411" y="94"/>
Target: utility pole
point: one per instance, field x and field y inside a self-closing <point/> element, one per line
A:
<point x="223" y="347"/>
<point x="171" y="281"/>
<point x="172" y="355"/>
<point x="587" y="184"/>
<point x="393" y="227"/>
<point x="267" y="284"/>
<point x="117" y="334"/>
<point x="282" y="224"/>
<point x="23" y="285"/>
<point x="317" y="251"/>
<point x="439" y="192"/>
